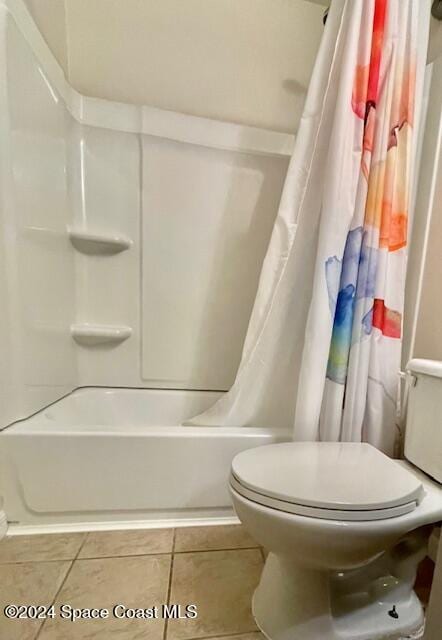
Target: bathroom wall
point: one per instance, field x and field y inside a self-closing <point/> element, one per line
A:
<point x="247" y="62"/>
<point x="423" y="311"/>
<point x="429" y="322"/>
<point x="50" y="18"/>
<point x="435" y="44"/>
<point x="38" y="362"/>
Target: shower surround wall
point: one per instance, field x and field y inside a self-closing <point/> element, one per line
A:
<point x="38" y="362"/>
<point x="142" y="231"/>
<point x="199" y="219"/>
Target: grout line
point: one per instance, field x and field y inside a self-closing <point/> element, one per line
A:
<point x="263" y="553"/>
<point x="131" y="555"/>
<point x="127" y="555"/>
<point x="62" y="584"/>
<point x="169" y="586"/>
<point x="8" y="564"/>
<point x="218" y="549"/>
<point x="82" y="544"/>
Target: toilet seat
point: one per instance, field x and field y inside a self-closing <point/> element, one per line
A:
<point x="337" y="481"/>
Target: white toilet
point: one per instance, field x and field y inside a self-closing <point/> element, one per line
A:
<point x="345" y="526"/>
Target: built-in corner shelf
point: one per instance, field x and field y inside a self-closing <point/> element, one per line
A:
<point x="97" y="243"/>
<point x="89" y="335"/>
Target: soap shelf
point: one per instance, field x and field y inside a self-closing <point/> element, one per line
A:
<point x="88" y="334"/>
<point x="97" y="243"/>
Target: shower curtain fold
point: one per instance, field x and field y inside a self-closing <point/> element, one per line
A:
<point x="322" y="351"/>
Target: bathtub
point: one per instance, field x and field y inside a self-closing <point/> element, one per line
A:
<point x="103" y="458"/>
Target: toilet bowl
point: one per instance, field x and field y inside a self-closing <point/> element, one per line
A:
<point x="345" y="527"/>
<point x="329" y="575"/>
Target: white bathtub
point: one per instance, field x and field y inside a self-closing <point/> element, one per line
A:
<point x="112" y="457"/>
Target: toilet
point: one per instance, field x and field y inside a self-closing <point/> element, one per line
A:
<point x="345" y="526"/>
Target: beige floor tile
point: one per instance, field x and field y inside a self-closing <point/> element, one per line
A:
<point x="36" y="548"/>
<point x="221" y="584"/>
<point x="215" y="537"/>
<point x="136" y="582"/>
<point x="28" y="583"/>
<point x="101" y="544"/>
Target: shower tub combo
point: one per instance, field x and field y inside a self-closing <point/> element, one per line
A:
<point x="92" y="339"/>
<point x="120" y="455"/>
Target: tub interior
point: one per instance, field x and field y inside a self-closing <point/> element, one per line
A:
<point x="119" y="409"/>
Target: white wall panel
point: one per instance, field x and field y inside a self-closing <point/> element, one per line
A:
<point x="185" y="287"/>
<point x="207" y="218"/>
<point x="105" y="173"/>
<point x="37" y="287"/>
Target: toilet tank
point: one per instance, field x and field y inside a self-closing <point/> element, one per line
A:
<point x="423" y="435"/>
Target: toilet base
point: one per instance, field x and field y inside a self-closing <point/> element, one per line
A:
<point x="295" y="603"/>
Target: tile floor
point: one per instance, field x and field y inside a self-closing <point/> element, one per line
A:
<point x="216" y="568"/>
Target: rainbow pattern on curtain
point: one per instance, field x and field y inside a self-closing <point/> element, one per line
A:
<point x="369" y="301"/>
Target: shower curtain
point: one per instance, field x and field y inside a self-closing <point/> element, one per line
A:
<point x="323" y="346"/>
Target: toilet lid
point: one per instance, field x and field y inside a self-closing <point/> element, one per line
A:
<point x="327" y="475"/>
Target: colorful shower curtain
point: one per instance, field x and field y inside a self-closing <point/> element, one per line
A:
<point x="323" y="346"/>
<point x="365" y="283"/>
